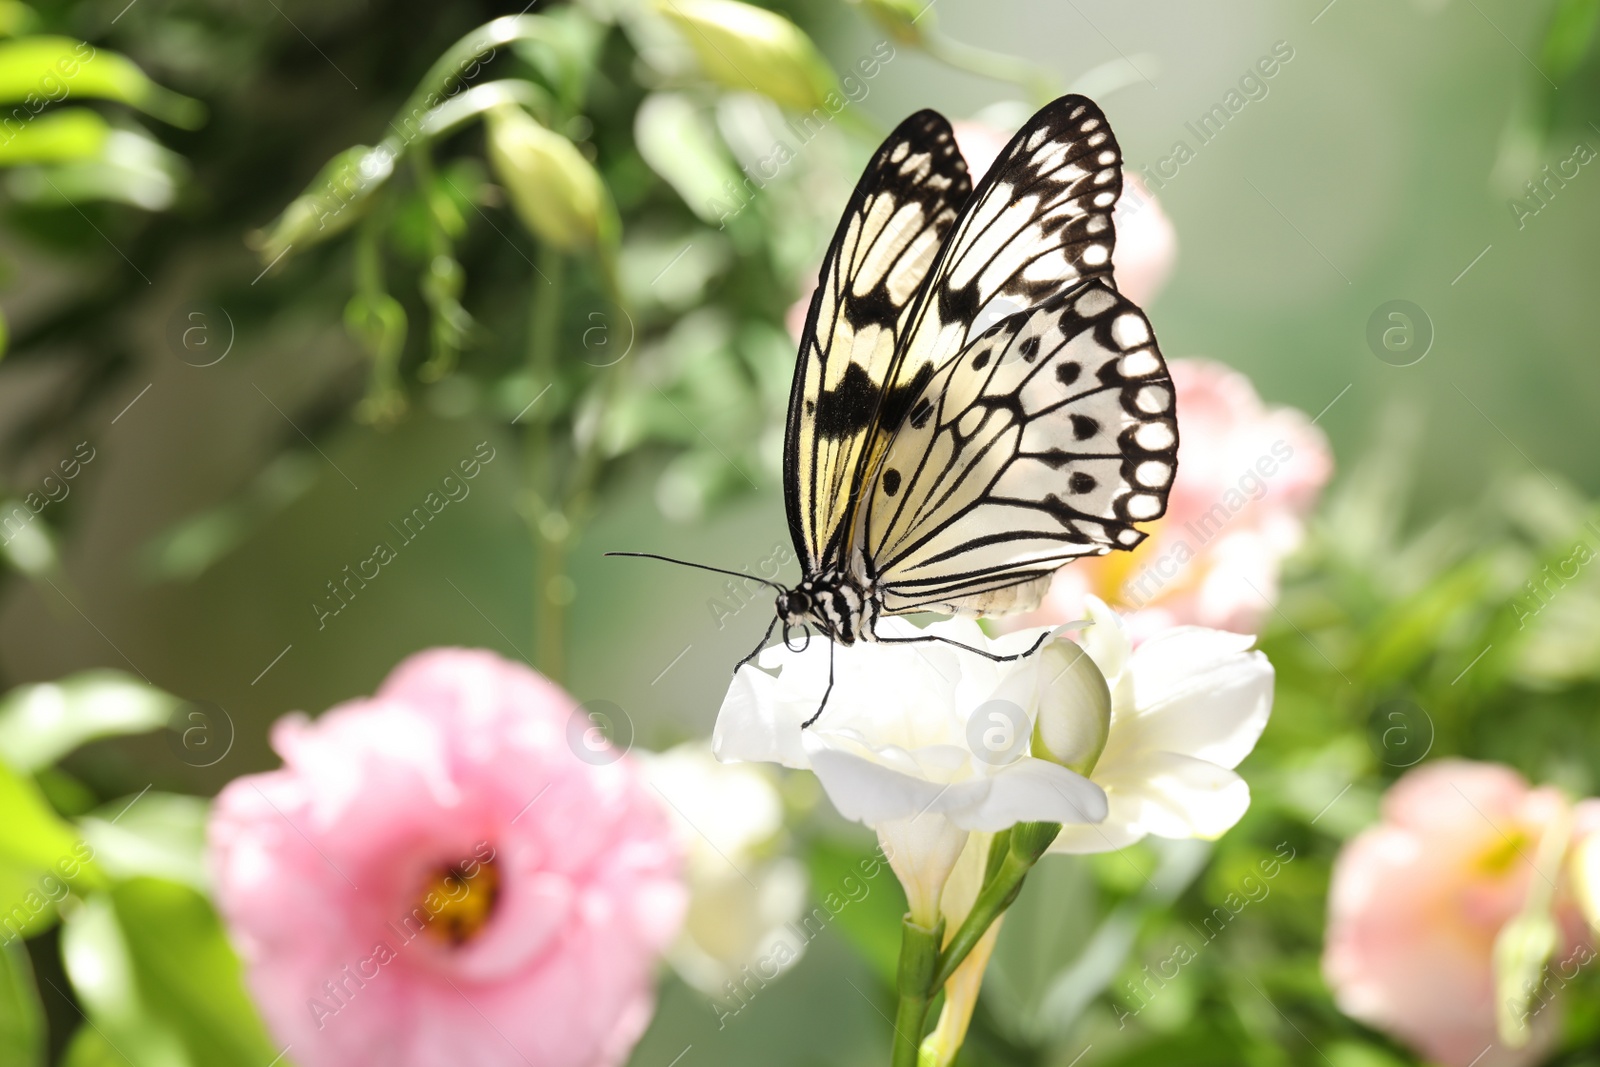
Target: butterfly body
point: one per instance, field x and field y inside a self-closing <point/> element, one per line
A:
<point x="834" y="603"/>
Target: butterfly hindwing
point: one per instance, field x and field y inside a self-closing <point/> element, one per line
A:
<point x="878" y="263"/>
<point x="1046" y="439"/>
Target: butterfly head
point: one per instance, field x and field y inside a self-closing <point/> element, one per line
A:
<point x="831" y="604"/>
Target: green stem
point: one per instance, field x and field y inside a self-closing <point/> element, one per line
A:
<point x="550" y="526"/>
<point x="986" y="64"/>
<point x="1025" y="844"/>
<point x="919" y="956"/>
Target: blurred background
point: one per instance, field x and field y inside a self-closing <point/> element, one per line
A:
<point x="264" y="352"/>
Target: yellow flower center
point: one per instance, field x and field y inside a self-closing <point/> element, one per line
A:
<point x="460" y="905"/>
<point x="1499" y="857"/>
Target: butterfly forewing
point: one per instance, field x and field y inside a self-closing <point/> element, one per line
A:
<point x="878" y="263"/>
<point x="1046" y="439"/>
<point x="1038" y="224"/>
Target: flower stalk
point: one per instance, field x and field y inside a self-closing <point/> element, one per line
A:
<point x="1011" y="857"/>
<point x="546" y="517"/>
<point x="919" y="959"/>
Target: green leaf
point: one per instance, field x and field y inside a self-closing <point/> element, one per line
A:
<point x="162" y="836"/>
<point x="133" y="169"/>
<point x="89" y="1048"/>
<point x="28" y="546"/>
<point x="152" y="966"/>
<point x="72" y="133"/>
<point x="41" y="723"/>
<point x="871" y="923"/>
<point x="36" y="71"/>
<point x="188" y="974"/>
<point x="98" y="962"/>
<point x="21" y="1015"/>
<point x="31" y="835"/>
<point x="680" y="144"/>
<point x="1570" y="37"/>
<point x="25" y="910"/>
<point x="16" y="18"/>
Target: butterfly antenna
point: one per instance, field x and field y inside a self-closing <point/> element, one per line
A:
<point x="832" y="648"/>
<point x="699" y="566"/>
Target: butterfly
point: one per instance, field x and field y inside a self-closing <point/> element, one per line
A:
<point x="974" y="404"/>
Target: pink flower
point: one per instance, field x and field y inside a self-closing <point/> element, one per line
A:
<point x="1147" y="243"/>
<point x="1417" y="901"/>
<point x="1247" y="476"/>
<point x="435" y="877"/>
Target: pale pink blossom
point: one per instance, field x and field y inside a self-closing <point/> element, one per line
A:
<point x="1147" y="243"/>
<point x="435" y="876"/>
<point x="1417" y="901"/>
<point x="1247" y="477"/>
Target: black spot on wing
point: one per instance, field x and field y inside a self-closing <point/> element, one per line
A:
<point x="847" y="410"/>
<point x="891" y="481"/>
<point x="900" y="398"/>
<point x="872" y="308"/>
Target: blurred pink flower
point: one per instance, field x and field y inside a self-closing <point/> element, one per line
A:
<point x="1247" y="476"/>
<point x="1417" y="901"/>
<point x="436" y="877"/>
<point x="1147" y="243"/>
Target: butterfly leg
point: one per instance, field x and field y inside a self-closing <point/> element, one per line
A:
<point x="759" y="646"/>
<point x="826" y="692"/>
<point x="976" y="651"/>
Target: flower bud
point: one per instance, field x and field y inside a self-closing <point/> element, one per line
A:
<point x="1520" y="952"/>
<point x="1586" y="878"/>
<point x="557" y="193"/>
<point x="336" y="197"/>
<point x="745" y="47"/>
<point x="900" y="18"/>
<point x="1074" y="708"/>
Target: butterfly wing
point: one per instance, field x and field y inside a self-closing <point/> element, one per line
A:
<point x="1045" y="440"/>
<point x="1039" y="223"/>
<point x="886" y="243"/>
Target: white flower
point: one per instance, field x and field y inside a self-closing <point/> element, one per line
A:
<point x="743" y="894"/>
<point x="923" y="742"/>
<point x="909" y="729"/>
<point x="1186" y="707"/>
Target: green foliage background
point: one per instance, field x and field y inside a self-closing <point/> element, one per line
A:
<point x="193" y="548"/>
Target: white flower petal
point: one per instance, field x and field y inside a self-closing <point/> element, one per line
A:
<point x="871" y="793"/>
<point x="1029" y="790"/>
<point x="1171" y="795"/>
<point x="1108" y="646"/>
<point x="1116" y="832"/>
<point x="760" y="721"/>
<point x="922" y="851"/>
<point x="1199" y="693"/>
